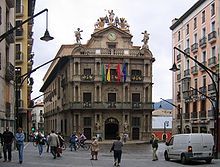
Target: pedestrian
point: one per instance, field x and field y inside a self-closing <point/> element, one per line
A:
<point x="41" y="142"/>
<point x="154" y="143"/>
<point x="48" y="146"/>
<point x="94" y="148"/>
<point x="54" y="143"/>
<point x="117" y="149"/>
<point x="1" y="144"/>
<point x="7" y="138"/>
<point x="62" y="142"/>
<point x="19" y="137"/>
<point x="82" y="139"/>
<point x="73" y="139"/>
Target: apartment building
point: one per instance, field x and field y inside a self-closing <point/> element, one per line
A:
<point x="37" y="116"/>
<point x="7" y="48"/>
<point x="196" y="33"/>
<point x="24" y="62"/>
<point x="103" y="87"/>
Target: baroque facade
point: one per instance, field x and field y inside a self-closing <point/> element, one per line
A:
<point x="103" y="87"/>
<point x="196" y="32"/>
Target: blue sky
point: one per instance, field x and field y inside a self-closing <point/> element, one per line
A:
<point x="65" y="16"/>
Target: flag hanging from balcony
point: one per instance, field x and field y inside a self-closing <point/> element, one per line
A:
<point x="124" y="72"/>
<point x="118" y="73"/>
<point x="108" y="73"/>
<point x="103" y="73"/>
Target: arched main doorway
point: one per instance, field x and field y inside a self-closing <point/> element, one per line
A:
<point x="111" y="128"/>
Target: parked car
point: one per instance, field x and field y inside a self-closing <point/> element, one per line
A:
<point x="187" y="147"/>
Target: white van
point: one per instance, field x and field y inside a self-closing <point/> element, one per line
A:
<point x="193" y="146"/>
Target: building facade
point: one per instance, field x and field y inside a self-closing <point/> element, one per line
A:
<point x="37" y="118"/>
<point x="23" y="63"/>
<point x="196" y="32"/>
<point x="103" y="87"/>
<point x="7" y="47"/>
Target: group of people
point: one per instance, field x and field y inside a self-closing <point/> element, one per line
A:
<point x="7" y="139"/>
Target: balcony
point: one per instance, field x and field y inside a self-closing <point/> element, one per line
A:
<point x="88" y="78"/>
<point x="136" y="78"/>
<point x="10" y="38"/>
<point x="87" y="104"/>
<point x="202" y="114"/>
<point x="212" y="37"/>
<point x="212" y="61"/>
<point x="10" y="3"/>
<point x="194" y="115"/>
<point x="203" y="89"/>
<point x="178" y="77"/>
<point x="9" y="74"/>
<point x="194" y="70"/>
<point x="194" y="47"/>
<point x="187" y="50"/>
<point x="202" y="42"/>
<point x="195" y="93"/>
<point x="19" y="57"/>
<point x="178" y="57"/>
<point x="186" y="72"/>
<point x="110" y="105"/>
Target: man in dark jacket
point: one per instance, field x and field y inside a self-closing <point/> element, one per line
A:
<point x="7" y="138"/>
<point x="154" y="142"/>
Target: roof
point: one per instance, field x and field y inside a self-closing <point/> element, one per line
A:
<point x="185" y="15"/>
<point x="60" y="64"/>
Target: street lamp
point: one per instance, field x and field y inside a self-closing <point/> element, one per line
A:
<point x="180" y="111"/>
<point x="215" y="83"/>
<point x="46" y="36"/>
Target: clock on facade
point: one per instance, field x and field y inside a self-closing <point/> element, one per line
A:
<point x="112" y="36"/>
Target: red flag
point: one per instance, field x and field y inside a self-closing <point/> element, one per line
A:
<point x="118" y="73"/>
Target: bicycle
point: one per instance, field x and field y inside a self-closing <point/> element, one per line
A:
<point x="84" y="146"/>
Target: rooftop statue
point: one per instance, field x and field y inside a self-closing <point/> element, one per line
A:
<point x="78" y="35"/>
<point x="111" y="16"/>
<point x="145" y="40"/>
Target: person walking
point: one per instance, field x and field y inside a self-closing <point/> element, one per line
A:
<point x="48" y="146"/>
<point x="54" y="143"/>
<point x="154" y="143"/>
<point x="41" y="142"/>
<point x="62" y="142"/>
<point x="117" y="148"/>
<point x="94" y="148"/>
<point x="73" y="139"/>
<point x="7" y="138"/>
<point x="19" y="137"/>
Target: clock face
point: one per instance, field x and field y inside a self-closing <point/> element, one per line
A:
<point x="112" y="36"/>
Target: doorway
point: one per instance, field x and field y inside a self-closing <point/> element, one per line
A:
<point x="111" y="129"/>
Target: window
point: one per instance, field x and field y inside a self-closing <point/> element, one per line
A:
<point x="212" y="9"/>
<point x="195" y="23"/>
<point x="187" y="29"/>
<point x="213" y="51"/>
<point x="179" y="36"/>
<point x="203" y="17"/>
<point x="112" y="46"/>
<point x="196" y="83"/>
<point x="204" y="56"/>
<point x="87" y="121"/>
<point x="136" y="97"/>
<point x="135" y="121"/>
<point x="136" y="72"/>
<point x="213" y="26"/>
<point x="0" y="61"/>
<point x="18" y="52"/>
<point x="195" y="38"/>
<point x="203" y="32"/>
<point x="111" y="97"/>
<point x="87" y="71"/>
<point x="204" y="81"/>
<point x="0" y="15"/>
<point x="187" y="43"/>
<point x="87" y="97"/>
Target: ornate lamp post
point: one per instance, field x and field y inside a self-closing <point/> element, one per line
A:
<point x="215" y="82"/>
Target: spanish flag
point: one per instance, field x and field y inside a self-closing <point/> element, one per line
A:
<point x="118" y="73"/>
<point x="108" y="73"/>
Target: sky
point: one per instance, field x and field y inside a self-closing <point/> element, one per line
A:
<point x="65" y="16"/>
